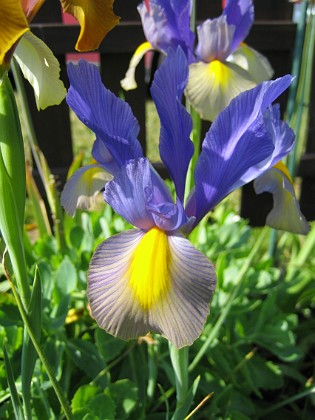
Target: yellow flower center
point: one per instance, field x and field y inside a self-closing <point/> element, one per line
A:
<point x="222" y="73"/>
<point x="149" y="269"/>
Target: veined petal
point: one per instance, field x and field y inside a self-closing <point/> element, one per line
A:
<point x="129" y="81"/>
<point x="109" y="117"/>
<point x="212" y="86"/>
<point x="140" y="282"/>
<point x="166" y="24"/>
<point x="176" y="148"/>
<point x="240" y="14"/>
<point x="283" y="140"/>
<point x="256" y="64"/>
<point x="83" y="187"/>
<point x="41" y="68"/>
<point x="285" y="214"/>
<point x="13" y="25"/>
<point x="139" y="195"/>
<point x="214" y="39"/>
<point x="238" y="141"/>
<point x="96" y="18"/>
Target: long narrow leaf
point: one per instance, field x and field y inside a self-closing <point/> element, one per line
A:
<point x="29" y="354"/>
<point x="17" y="406"/>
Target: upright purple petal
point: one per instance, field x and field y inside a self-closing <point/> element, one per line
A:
<point x="214" y="40"/>
<point x="139" y="195"/>
<point x="237" y="142"/>
<point x="240" y="14"/>
<point x="167" y="25"/>
<point x="176" y="148"/>
<point x="110" y="118"/>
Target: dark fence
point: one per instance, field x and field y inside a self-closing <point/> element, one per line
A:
<point x="272" y="34"/>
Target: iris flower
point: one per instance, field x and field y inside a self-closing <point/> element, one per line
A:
<point x="37" y="62"/>
<point x="221" y="66"/>
<point x="151" y="278"/>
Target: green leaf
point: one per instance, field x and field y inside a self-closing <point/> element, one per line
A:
<point x="76" y="236"/>
<point x="103" y="407"/>
<point x="83" y="395"/>
<point x="265" y="374"/>
<point x="125" y="395"/>
<point x="183" y="410"/>
<point x="18" y="411"/>
<point x="86" y="357"/>
<point x="9" y="313"/>
<point x="66" y="277"/>
<point x="98" y="407"/>
<point x="29" y="354"/>
<point x="108" y="346"/>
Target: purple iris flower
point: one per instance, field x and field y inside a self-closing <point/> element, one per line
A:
<point x="151" y="278"/>
<point x="221" y="65"/>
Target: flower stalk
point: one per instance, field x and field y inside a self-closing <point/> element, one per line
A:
<point x="179" y="360"/>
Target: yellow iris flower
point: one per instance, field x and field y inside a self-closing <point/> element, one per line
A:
<point x="37" y="62"/>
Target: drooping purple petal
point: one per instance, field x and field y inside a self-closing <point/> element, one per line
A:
<point x="237" y="141"/>
<point x="140" y="282"/>
<point x="240" y="14"/>
<point x="176" y="148"/>
<point x="109" y="117"/>
<point x="167" y="25"/>
<point x="214" y="40"/>
<point x="282" y="137"/>
<point x="139" y="195"/>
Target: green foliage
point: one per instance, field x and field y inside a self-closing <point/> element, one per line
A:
<point x="260" y="361"/>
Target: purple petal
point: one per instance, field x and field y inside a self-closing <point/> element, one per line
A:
<point x="283" y="139"/>
<point x="167" y="25"/>
<point x="139" y="195"/>
<point x="214" y="40"/>
<point x="150" y="282"/>
<point x="237" y="141"/>
<point x="176" y="148"/>
<point x="109" y="117"/>
<point x="240" y="14"/>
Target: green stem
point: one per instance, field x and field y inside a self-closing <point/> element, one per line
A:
<point x="290" y="400"/>
<point x="42" y="167"/>
<point x="179" y="359"/>
<point x="30" y="132"/>
<point x="272" y="243"/>
<point x="225" y="311"/>
<point x="297" y="55"/>
<point x="63" y="402"/>
<point x="300" y="117"/>
<point x="196" y="139"/>
<point x="152" y="369"/>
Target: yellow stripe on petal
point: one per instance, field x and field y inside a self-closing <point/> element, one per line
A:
<point x="282" y="168"/>
<point x="149" y="270"/>
<point x="96" y="19"/>
<point x="13" y="25"/>
<point x="222" y="73"/>
<point x="212" y="86"/>
<point x="129" y="81"/>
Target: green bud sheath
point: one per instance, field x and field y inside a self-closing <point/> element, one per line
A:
<point x="12" y="185"/>
<point x="11" y="144"/>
